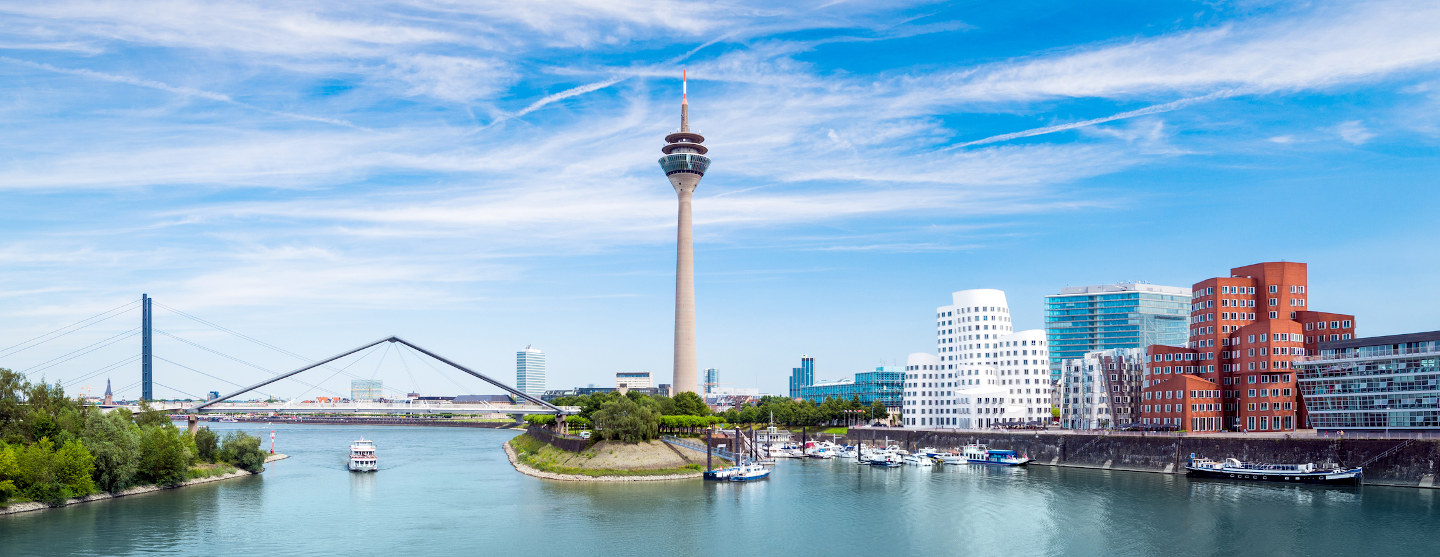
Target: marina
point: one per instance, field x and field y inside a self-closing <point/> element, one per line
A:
<point x="297" y="503"/>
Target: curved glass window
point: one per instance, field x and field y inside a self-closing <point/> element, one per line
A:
<point x="684" y="162"/>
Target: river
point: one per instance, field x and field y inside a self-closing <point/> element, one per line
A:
<point x="443" y="491"/>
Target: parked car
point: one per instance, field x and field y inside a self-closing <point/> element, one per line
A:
<point x="585" y="435"/>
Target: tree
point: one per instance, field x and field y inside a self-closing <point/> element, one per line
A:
<point x="115" y="443"/>
<point x="690" y="404"/>
<point x="150" y="417"/>
<point x="878" y="411"/>
<point x="207" y="443"/>
<point x="624" y="420"/>
<point x="163" y="456"/>
<point x="243" y="450"/>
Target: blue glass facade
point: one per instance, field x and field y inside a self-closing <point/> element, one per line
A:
<point x="803" y="376"/>
<point x="885" y="384"/>
<point x="1085" y="319"/>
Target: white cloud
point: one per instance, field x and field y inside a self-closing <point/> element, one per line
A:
<point x="1354" y="132"/>
<point x="454" y="78"/>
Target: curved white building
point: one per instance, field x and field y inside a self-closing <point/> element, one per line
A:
<point x="984" y="373"/>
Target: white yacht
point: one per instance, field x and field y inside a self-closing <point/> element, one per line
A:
<point x="917" y="459"/>
<point x="362" y="456"/>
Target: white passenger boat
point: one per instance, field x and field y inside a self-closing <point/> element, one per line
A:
<point x="953" y="458"/>
<point x="1234" y="469"/>
<point x="362" y="456"/>
<point x="1001" y="458"/>
<point x="918" y="459"/>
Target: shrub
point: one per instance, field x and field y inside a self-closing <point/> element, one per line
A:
<point x="207" y="443"/>
<point x="164" y="459"/>
<point x="243" y="451"/>
<point x="115" y="443"/>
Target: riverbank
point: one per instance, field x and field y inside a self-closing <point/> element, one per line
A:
<point x="652" y="461"/>
<point x="137" y="490"/>
<point x="1390" y="462"/>
<point x="363" y="420"/>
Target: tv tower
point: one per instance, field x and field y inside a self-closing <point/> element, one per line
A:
<point x="684" y="164"/>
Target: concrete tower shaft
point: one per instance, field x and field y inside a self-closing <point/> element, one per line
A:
<point x="685" y="164"/>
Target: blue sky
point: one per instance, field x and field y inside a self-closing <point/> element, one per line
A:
<point x="478" y="176"/>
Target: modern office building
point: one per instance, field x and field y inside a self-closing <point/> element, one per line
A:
<point x="803" y="376"/>
<point x="1084" y="319"/>
<point x="1387" y="384"/>
<point x="1101" y="389"/>
<point x="885" y="384"/>
<point x="712" y="380"/>
<point x="984" y="374"/>
<point x="633" y="380"/>
<point x="366" y="390"/>
<point x="1245" y="331"/>
<point x="684" y="164"/>
<point x="530" y="371"/>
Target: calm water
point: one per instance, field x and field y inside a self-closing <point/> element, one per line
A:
<point x="451" y="491"/>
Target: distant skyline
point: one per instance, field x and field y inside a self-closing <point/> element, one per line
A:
<point x="476" y="178"/>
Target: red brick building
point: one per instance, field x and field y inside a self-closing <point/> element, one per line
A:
<point x="1184" y="401"/>
<point x="1245" y="330"/>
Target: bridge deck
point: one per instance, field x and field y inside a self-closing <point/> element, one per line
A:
<point x="368" y="408"/>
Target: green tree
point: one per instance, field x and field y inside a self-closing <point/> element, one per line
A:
<point x="624" y="420"/>
<point x="163" y="456"/>
<point x="878" y="411"/>
<point x="690" y="404"/>
<point x="207" y="443"/>
<point x="150" y="417"/>
<point x="115" y="443"/>
<point x="8" y="472"/>
<point x="243" y="450"/>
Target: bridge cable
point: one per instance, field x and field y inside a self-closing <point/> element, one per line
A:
<point x="42" y="366"/>
<point x="414" y="385"/>
<point x="191" y="395"/>
<point x="16" y="348"/>
<point x="72" y="382"/>
<point x="426" y="361"/>
<point x="217" y="378"/>
<point x="261" y="343"/>
<point x="337" y="372"/>
<point x="233" y="358"/>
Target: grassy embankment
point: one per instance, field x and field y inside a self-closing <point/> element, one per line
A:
<point x="607" y="458"/>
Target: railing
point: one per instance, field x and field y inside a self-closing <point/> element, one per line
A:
<point x="678" y="442"/>
<point x="1356" y="355"/>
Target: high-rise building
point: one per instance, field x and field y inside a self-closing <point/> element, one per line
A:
<point x="985" y="373"/>
<point x="1246" y="330"/>
<point x="712" y="380"/>
<point x="366" y="390"/>
<point x="1101" y="389"/>
<point x="885" y="384"/>
<point x="803" y="376"/>
<point x="684" y="164"/>
<point x="1377" y="384"/>
<point x="530" y="371"/>
<point x="1084" y="319"/>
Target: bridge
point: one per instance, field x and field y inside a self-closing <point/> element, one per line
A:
<point x="524" y="404"/>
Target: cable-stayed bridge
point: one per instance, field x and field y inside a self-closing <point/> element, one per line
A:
<point x="73" y="367"/>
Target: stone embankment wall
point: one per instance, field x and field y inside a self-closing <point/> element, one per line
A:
<point x="572" y="443"/>
<point x="1408" y="463"/>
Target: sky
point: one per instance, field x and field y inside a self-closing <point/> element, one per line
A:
<point x="480" y="176"/>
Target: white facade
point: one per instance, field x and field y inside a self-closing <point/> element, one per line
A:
<point x="633" y="380"/>
<point x="984" y="373"/>
<point x="1102" y="389"/>
<point x="530" y="371"/>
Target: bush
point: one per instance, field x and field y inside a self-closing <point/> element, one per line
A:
<point x="207" y="443"/>
<point x="51" y="475"/>
<point x="623" y="420"/>
<point x="540" y="419"/>
<point x="243" y="451"/>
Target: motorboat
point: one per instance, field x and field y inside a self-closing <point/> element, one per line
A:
<point x="721" y="474"/>
<point x="749" y="473"/>
<point x="917" y="459"/>
<point x="887" y="459"/>
<point x="953" y="458"/>
<point x="362" y="456"/>
<point x="1234" y="469"/>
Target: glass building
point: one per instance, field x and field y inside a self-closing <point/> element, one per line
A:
<point x="1381" y="384"/>
<point x="712" y="380"/>
<point x="1128" y="315"/>
<point x="530" y="371"/>
<point x="885" y="384"/>
<point x="803" y="376"/>
<point x="365" y="390"/>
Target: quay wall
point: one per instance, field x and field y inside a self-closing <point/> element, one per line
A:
<point x="1400" y="462"/>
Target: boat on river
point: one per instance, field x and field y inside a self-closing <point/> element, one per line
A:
<point x="749" y="473"/>
<point x="980" y="454"/>
<point x="917" y="459"/>
<point x="362" y="456"/>
<point x="1234" y="469"/>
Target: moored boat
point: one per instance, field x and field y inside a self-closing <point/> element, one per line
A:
<point x="1234" y="469"/>
<point x="721" y="474"/>
<point x="362" y="456"/>
<point x="749" y="473"/>
<point x="917" y="459"/>
<point x="1001" y="458"/>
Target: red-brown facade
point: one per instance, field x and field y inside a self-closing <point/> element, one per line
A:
<point x="1245" y="330"/>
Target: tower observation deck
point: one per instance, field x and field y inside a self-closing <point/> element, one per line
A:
<point x="684" y="163"/>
